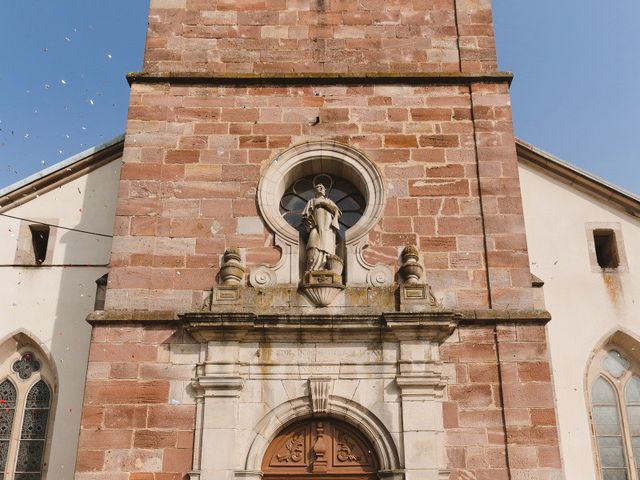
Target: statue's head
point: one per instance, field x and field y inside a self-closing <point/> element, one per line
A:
<point x="319" y="190"/>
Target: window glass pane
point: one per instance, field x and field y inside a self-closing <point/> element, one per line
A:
<point x="342" y="192"/>
<point x="602" y="393"/>
<point x="632" y="391"/>
<point x="614" y="474"/>
<point x="635" y="445"/>
<point x="632" y="398"/>
<point x="615" y="364"/>
<point x="291" y="202"/>
<point x="7" y="413"/>
<point x="611" y="452"/>
<point x="633" y="412"/>
<point x="606" y="420"/>
<point x="34" y="430"/>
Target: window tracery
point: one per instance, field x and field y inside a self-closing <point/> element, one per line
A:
<point x="26" y="366"/>
<point x="25" y="406"/>
<point x="342" y="192"/>
<point x="615" y="414"/>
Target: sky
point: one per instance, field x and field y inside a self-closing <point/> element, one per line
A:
<point x="575" y="93"/>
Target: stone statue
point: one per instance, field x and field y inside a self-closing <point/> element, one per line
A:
<point x="320" y="218"/>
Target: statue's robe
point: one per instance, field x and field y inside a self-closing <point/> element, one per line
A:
<point x="322" y="236"/>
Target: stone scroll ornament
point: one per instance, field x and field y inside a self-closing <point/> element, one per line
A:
<point x="293" y="449"/>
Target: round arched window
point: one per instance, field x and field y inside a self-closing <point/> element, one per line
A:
<point x="347" y="207"/>
<point x="342" y="192"/>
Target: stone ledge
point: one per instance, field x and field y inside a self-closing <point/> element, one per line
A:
<point x="491" y="316"/>
<point x="131" y="316"/>
<point x="419" y="78"/>
<point x="487" y="316"/>
<point x="429" y="326"/>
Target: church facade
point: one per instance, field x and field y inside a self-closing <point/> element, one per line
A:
<point x="319" y="262"/>
<point x="319" y="266"/>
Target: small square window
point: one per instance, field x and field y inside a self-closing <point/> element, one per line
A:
<point x="606" y="248"/>
<point x="40" y="242"/>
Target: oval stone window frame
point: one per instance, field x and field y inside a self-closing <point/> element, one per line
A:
<point x="316" y="157"/>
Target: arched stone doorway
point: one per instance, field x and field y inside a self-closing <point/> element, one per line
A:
<point x="322" y="449"/>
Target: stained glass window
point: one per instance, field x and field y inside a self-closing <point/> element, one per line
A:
<point x="615" y="413"/>
<point x="7" y="413"/>
<point x="615" y="364"/>
<point x="33" y="435"/>
<point x="26" y="366"/>
<point x="606" y="420"/>
<point x="632" y="400"/>
<point x="343" y="193"/>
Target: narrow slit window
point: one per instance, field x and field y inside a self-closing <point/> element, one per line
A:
<point x="40" y="242"/>
<point x="101" y="292"/>
<point x="606" y="248"/>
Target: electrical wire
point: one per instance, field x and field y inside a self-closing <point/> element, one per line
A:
<point x="57" y="226"/>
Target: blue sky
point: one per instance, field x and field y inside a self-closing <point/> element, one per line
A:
<point x="575" y="94"/>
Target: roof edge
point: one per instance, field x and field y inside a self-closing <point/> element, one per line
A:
<point x="60" y="173"/>
<point x="578" y="178"/>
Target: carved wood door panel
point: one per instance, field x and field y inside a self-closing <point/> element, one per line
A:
<point x="320" y="448"/>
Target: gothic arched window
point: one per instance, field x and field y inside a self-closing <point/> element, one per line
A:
<point x="615" y="414"/>
<point x="25" y="404"/>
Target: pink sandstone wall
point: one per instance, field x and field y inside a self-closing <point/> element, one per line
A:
<point x="336" y="36"/>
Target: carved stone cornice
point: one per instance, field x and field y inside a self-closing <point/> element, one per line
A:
<point x="272" y="317"/>
<point x="433" y="326"/>
<point x="320" y="78"/>
<point x="218" y="386"/>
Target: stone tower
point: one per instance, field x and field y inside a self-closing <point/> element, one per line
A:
<point x="319" y="264"/>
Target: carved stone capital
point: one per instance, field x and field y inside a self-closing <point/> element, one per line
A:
<point x="391" y="474"/>
<point x="247" y="475"/>
<point x="422" y="386"/>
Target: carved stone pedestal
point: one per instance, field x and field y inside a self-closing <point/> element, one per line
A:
<point x="322" y="287"/>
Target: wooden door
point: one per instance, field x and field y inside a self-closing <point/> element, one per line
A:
<point x="324" y="448"/>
